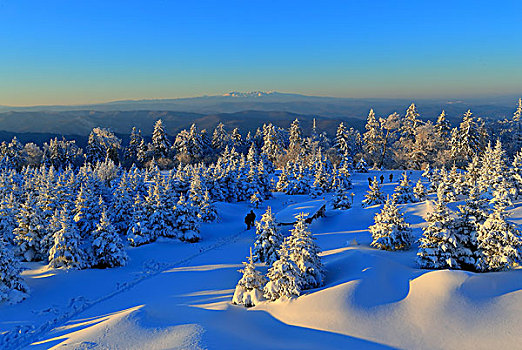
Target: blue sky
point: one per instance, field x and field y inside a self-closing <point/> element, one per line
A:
<point x="67" y="52"/>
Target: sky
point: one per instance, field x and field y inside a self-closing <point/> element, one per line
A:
<point x="75" y="52"/>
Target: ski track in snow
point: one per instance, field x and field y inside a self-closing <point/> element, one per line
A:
<point x="23" y="336"/>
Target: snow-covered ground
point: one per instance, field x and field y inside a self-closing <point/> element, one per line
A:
<point x="175" y="295"/>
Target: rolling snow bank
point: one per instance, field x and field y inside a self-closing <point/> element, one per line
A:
<point x="178" y="296"/>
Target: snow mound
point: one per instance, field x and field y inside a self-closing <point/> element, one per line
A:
<point x="373" y="296"/>
<point x="126" y="329"/>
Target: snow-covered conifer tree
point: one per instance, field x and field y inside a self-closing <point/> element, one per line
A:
<point x="160" y="141"/>
<point x="207" y="210"/>
<point x="341" y="199"/>
<point x="66" y="251"/>
<point x="86" y="210"/>
<point x="186" y="223"/>
<point x="361" y="166"/>
<point x="139" y="232"/>
<point x="445" y="191"/>
<point x="499" y="241"/>
<point x="515" y="173"/>
<point x="107" y="246"/>
<point x="131" y="151"/>
<point x="373" y="139"/>
<point x="303" y="250"/>
<point x="256" y="199"/>
<point x="440" y="245"/>
<point x="12" y="286"/>
<point x="390" y="231"/>
<point x="249" y="289"/>
<point x="268" y="238"/>
<point x="374" y="195"/>
<point x="404" y="192"/>
<point x="420" y="191"/>
<point x="121" y="205"/>
<point x="284" y="279"/>
<point x="295" y="138"/>
<point x="30" y="231"/>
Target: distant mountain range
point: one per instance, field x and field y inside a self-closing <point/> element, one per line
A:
<point x="245" y="110"/>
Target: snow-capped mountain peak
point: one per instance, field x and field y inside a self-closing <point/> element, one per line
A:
<point x="248" y="93"/>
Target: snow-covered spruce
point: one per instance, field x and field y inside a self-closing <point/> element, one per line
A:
<point x="284" y="279"/>
<point x="30" y="231"/>
<point x="186" y="222"/>
<point x="374" y="194"/>
<point x="268" y="238"/>
<point x="440" y="244"/>
<point x="499" y="241"/>
<point x="249" y="289"/>
<point x="420" y="191"/>
<point x="12" y="286"/>
<point x="66" y="251"/>
<point x="341" y="199"/>
<point x="255" y="200"/>
<point x="303" y="250"/>
<point x="390" y="231"/>
<point x="361" y="166"/>
<point x="403" y="192"/>
<point x="139" y="233"/>
<point x="107" y="246"/>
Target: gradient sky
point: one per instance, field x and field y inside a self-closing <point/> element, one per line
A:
<point x="73" y="51"/>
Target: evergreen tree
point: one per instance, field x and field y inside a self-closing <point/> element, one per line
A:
<point x="160" y="217"/>
<point x="207" y="210"/>
<point x="284" y="279"/>
<point x="390" y="231"/>
<point x="341" y="141"/>
<point x="12" y="286"/>
<point x="468" y="140"/>
<point x="341" y="200"/>
<point x="187" y="223"/>
<point x="420" y="191"/>
<point x="249" y="289"/>
<point x="373" y="139"/>
<point x="443" y="126"/>
<point x="256" y="199"/>
<point x="121" y="205"/>
<point x="160" y="141"/>
<point x="30" y="231"/>
<point x="268" y="238"/>
<point x="9" y="207"/>
<point x="272" y="145"/>
<point x="404" y="192"/>
<point x="445" y="190"/>
<point x="66" y="251"/>
<point x="517" y="126"/>
<point x="107" y="246"/>
<point x="440" y="245"/>
<point x="86" y="210"/>
<point x="361" y="166"/>
<point x="499" y="241"/>
<point x="220" y="138"/>
<point x="374" y="195"/>
<point x="469" y="218"/>
<point x="139" y="233"/>
<point x="295" y="137"/>
<point x="515" y="175"/>
<point x="304" y="252"/>
<point x="132" y="150"/>
<point x="102" y="143"/>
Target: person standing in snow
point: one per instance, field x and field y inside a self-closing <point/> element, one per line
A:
<point x="391" y="177"/>
<point x="250" y="218"/>
<point x="369" y="181"/>
<point x="382" y="178"/>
